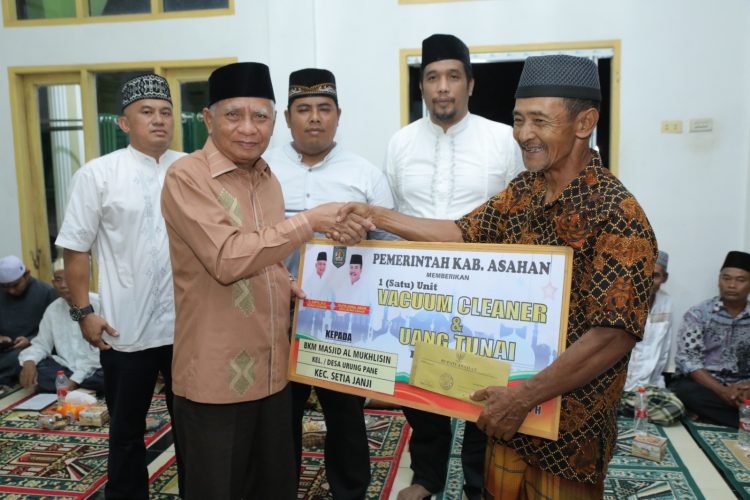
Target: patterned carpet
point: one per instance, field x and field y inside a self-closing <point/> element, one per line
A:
<point x="628" y="478"/>
<point x="720" y="446"/>
<point x="67" y="463"/>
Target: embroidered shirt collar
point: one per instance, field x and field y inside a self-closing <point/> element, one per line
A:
<point x="144" y="158"/>
<point x="452" y="130"/>
<point x="219" y="164"/>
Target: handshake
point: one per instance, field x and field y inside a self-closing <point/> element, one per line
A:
<point x="346" y="223"/>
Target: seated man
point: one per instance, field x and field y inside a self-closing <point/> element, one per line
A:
<point x="713" y="354"/>
<point x="23" y="300"/>
<point x="649" y="357"/>
<point x="59" y="334"/>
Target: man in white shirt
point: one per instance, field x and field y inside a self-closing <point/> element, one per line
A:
<point x="60" y="346"/>
<point x="313" y="169"/>
<point x="114" y="210"/>
<point x="650" y="356"/>
<point x="442" y="166"/>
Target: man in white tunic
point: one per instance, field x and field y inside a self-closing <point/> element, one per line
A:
<point x="60" y="346"/>
<point x="114" y="211"/>
<point x="443" y="166"/>
<point x="313" y="169"/>
<point x="649" y="358"/>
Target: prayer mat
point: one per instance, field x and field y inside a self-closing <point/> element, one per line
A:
<point x="387" y="432"/>
<point x="628" y="477"/>
<point x="719" y="443"/>
<point x="66" y="463"/>
<point x="634" y="477"/>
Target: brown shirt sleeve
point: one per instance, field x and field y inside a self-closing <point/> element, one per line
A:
<point x="231" y="245"/>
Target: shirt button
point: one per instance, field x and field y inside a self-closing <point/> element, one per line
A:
<point x="308" y="195"/>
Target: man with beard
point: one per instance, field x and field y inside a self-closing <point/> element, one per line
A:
<point x="442" y="166"/>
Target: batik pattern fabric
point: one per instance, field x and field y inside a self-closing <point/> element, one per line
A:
<point x="711" y="339"/>
<point x="614" y="251"/>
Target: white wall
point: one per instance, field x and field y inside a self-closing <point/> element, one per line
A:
<point x="681" y="59"/>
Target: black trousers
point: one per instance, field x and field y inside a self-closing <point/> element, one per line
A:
<point x="347" y="452"/>
<point x="705" y="403"/>
<point x="46" y="373"/>
<point x="129" y="385"/>
<point x="430" y="450"/>
<point x="239" y="450"/>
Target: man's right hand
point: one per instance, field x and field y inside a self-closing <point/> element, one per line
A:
<point x="28" y="374"/>
<point x="324" y="220"/>
<point x="92" y="325"/>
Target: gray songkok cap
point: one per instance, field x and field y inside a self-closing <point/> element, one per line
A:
<point x="662" y="259"/>
<point x="559" y="76"/>
<point x="11" y="269"/>
<point x="145" y="87"/>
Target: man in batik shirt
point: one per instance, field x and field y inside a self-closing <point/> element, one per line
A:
<point x="566" y="197"/>
<point x="713" y="353"/>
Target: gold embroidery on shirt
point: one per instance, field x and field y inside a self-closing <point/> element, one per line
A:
<point x="241" y="374"/>
<point x="242" y="296"/>
<point x="232" y="206"/>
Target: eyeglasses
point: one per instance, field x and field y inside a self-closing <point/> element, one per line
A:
<point x="657" y="274"/>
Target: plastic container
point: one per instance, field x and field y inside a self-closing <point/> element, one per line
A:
<point x="61" y="385"/>
<point x="743" y="431"/>
<point x="640" y="416"/>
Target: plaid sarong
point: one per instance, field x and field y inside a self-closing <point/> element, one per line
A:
<point x="664" y="408"/>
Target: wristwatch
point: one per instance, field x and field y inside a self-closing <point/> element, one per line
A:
<point x="77" y="313"/>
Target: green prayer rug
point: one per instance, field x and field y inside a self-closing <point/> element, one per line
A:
<point x="719" y="443"/>
<point x="628" y="477"/>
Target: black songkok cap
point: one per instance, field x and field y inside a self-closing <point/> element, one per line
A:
<point x="559" y="76"/>
<point x="322" y="256"/>
<point x="148" y="86"/>
<point x="245" y="79"/>
<point x="356" y="259"/>
<point x="740" y="260"/>
<point x="312" y="82"/>
<point x="438" y="47"/>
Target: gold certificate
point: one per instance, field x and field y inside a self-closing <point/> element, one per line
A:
<point x="453" y="373"/>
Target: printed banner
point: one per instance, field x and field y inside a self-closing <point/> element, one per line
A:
<point x="369" y="305"/>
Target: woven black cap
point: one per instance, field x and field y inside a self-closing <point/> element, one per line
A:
<point x="559" y="76"/>
<point x="245" y="79"/>
<point x="311" y="82"/>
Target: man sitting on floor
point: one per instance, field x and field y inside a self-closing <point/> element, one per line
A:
<point x="23" y="300"/>
<point x="57" y="333"/>
<point x="649" y="357"/>
<point x="713" y="354"/>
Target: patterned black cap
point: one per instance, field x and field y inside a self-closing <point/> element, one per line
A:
<point x="311" y="82"/>
<point x="244" y="79"/>
<point x="559" y="76"/>
<point x="740" y="260"/>
<point x="438" y="47"/>
<point x="145" y="87"/>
